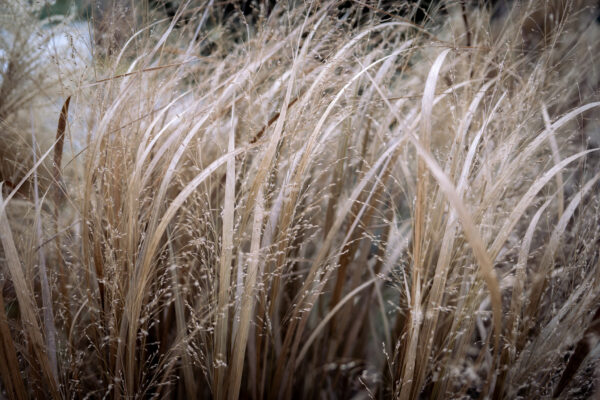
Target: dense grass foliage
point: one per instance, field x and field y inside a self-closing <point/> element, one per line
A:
<point x="300" y="200"/>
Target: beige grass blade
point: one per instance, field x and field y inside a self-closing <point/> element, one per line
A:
<point x="526" y="200"/>
<point x="317" y="276"/>
<point x="556" y="158"/>
<point x="248" y="301"/>
<point x="269" y="155"/>
<point x="474" y="239"/>
<point x="528" y="152"/>
<point x="49" y="325"/>
<point x="421" y="204"/>
<point x="133" y="305"/>
<point x="516" y="304"/>
<point x="541" y="276"/>
<point x="188" y="375"/>
<point x="26" y="303"/>
<point x="25" y="178"/>
<point x="222" y="322"/>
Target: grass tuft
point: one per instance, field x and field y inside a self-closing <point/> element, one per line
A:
<point x="300" y="200"/>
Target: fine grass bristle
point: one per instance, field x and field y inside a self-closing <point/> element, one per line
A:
<point x="300" y="200"/>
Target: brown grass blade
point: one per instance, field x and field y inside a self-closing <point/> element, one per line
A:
<point x="9" y="365"/>
<point x="60" y="140"/>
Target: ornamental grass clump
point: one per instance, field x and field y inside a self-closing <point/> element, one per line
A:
<point x="302" y="200"/>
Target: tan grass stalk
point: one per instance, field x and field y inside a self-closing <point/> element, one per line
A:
<point x="421" y="204"/>
<point x="222" y="321"/>
<point x="556" y="158"/>
<point x="434" y="302"/>
<point x="248" y="300"/>
<point x="188" y="373"/>
<point x="48" y="311"/>
<point x="474" y="239"/>
<point x="26" y="304"/>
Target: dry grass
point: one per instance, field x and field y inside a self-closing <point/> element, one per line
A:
<point x="308" y="201"/>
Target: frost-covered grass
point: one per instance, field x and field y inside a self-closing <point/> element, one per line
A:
<point x="313" y="202"/>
